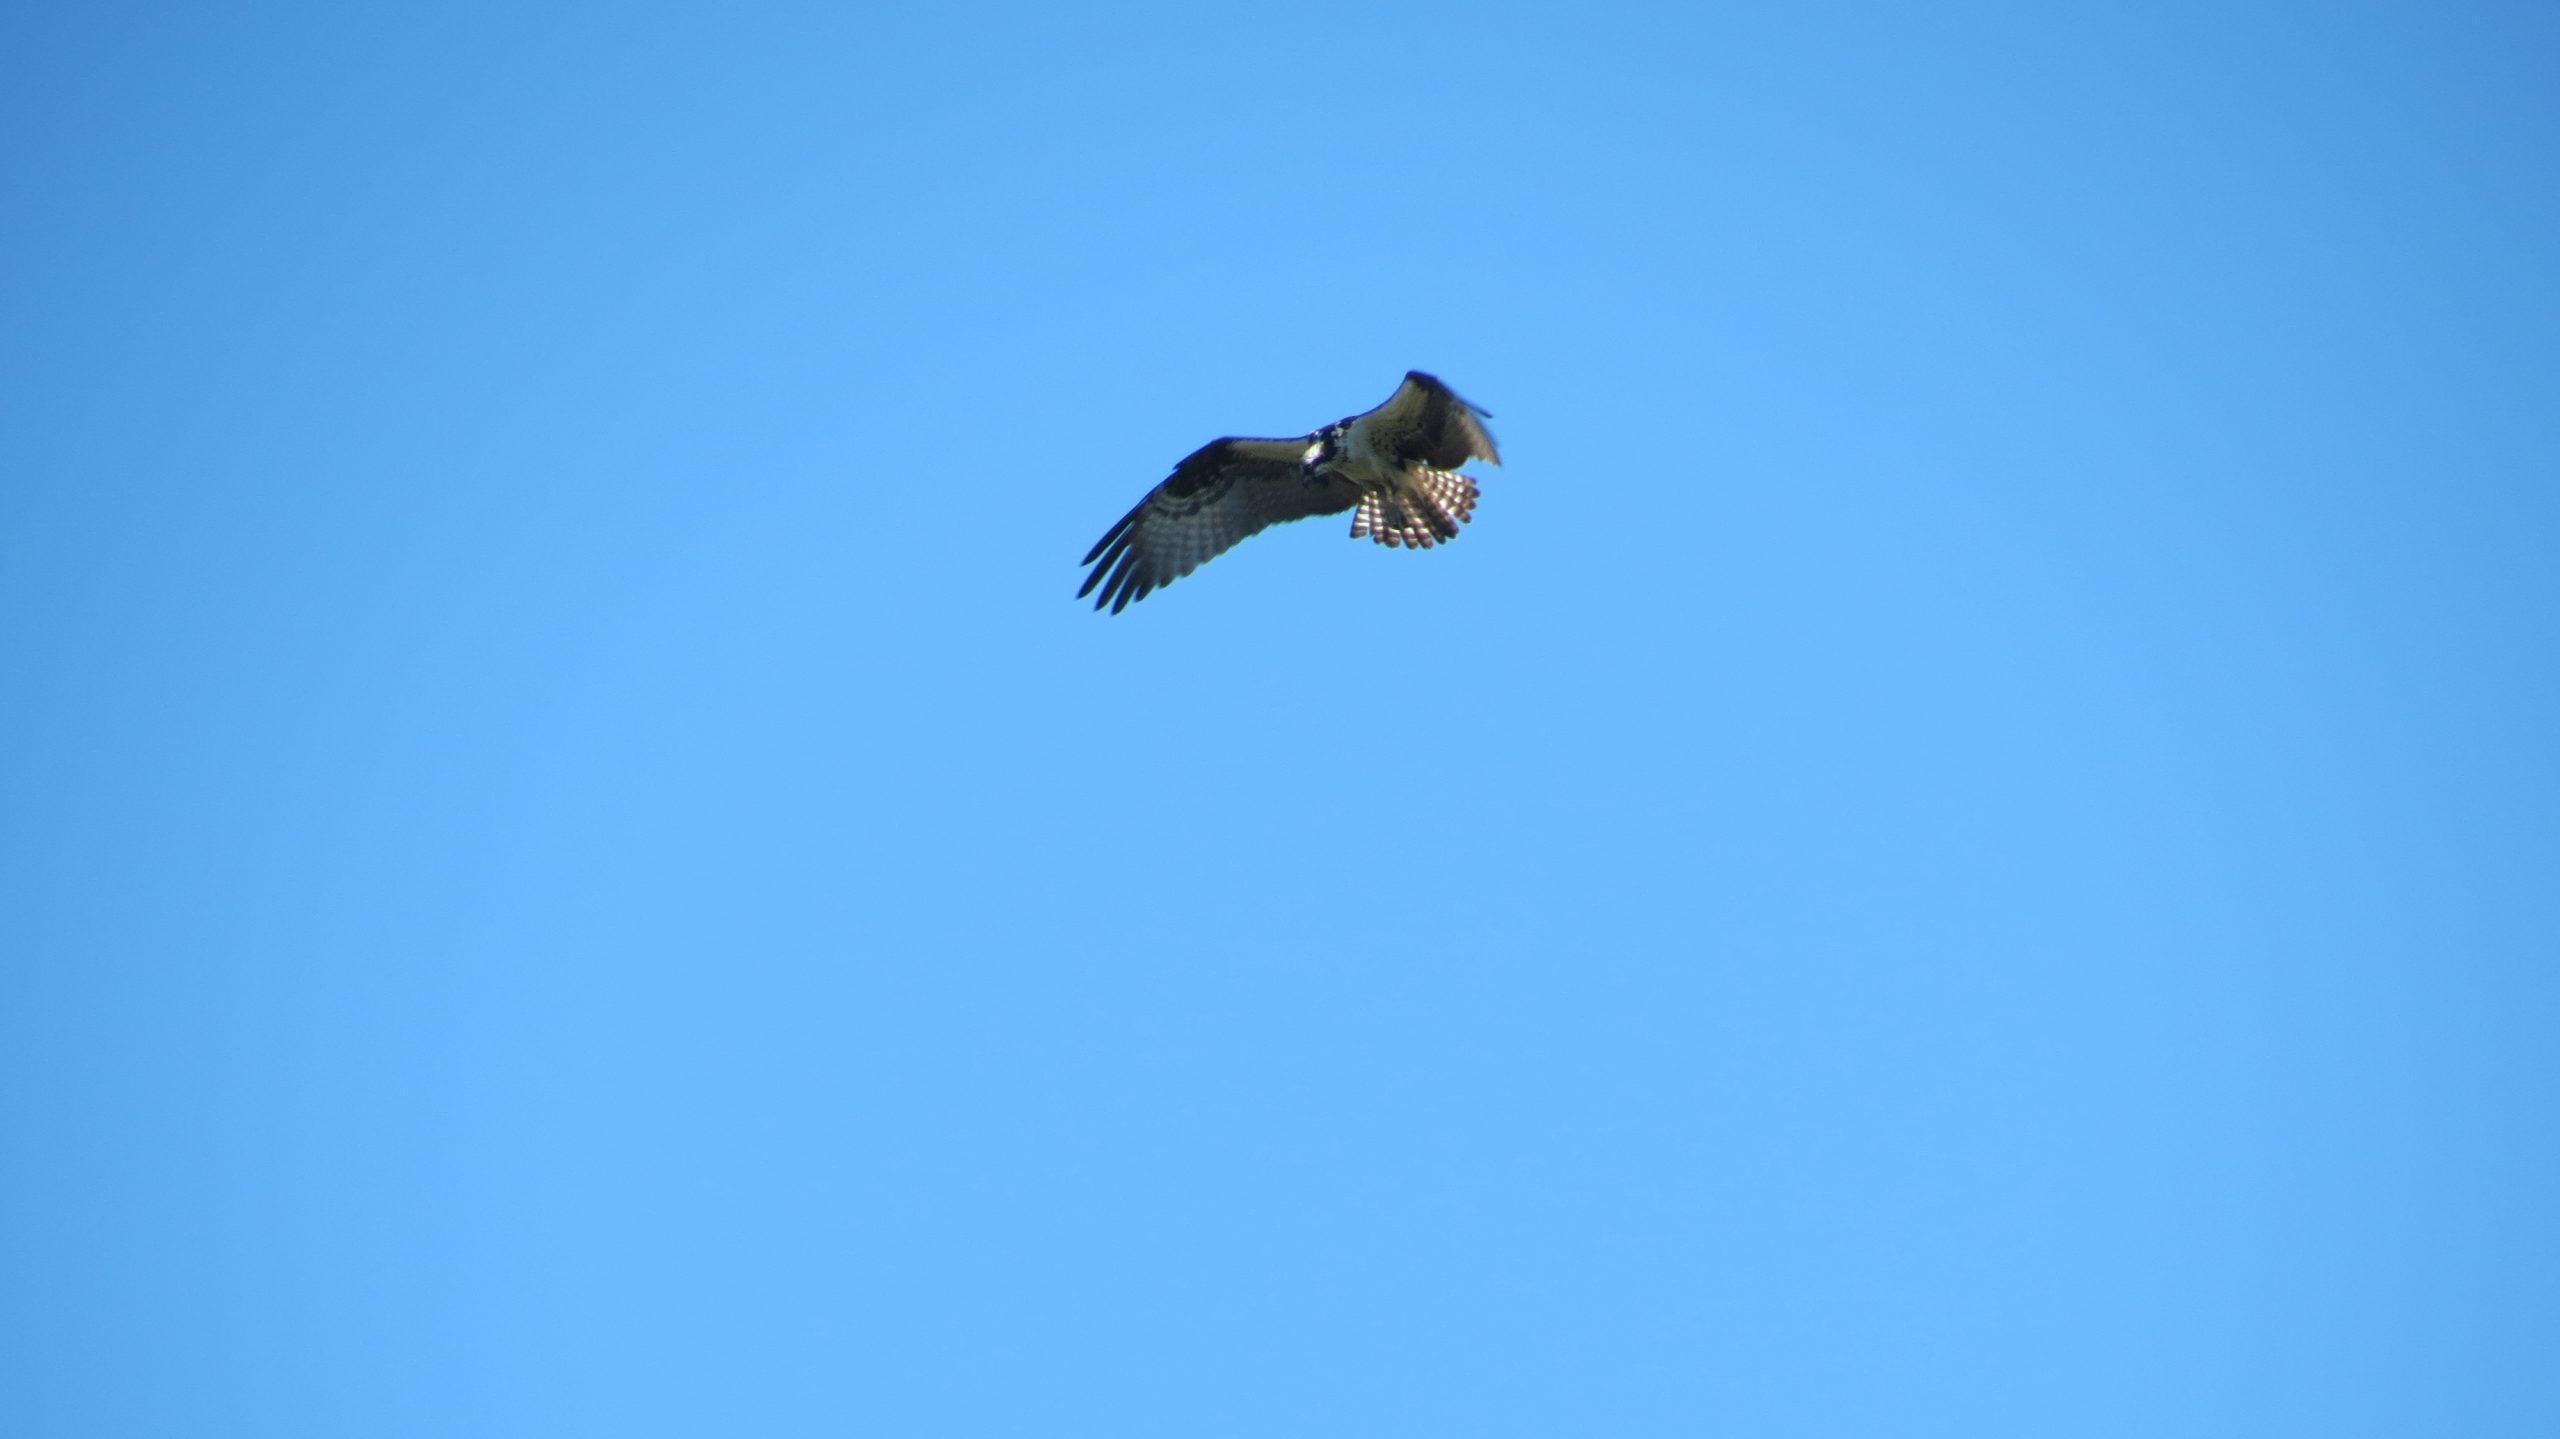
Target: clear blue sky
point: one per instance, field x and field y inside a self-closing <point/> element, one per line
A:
<point x="1968" y="845"/>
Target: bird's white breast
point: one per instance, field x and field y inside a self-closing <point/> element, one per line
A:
<point x="1363" y="460"/>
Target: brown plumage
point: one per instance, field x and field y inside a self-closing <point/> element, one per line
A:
<point x="1397" y="465"/>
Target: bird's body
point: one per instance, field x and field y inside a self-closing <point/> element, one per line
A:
<point x="1396" y="465"/>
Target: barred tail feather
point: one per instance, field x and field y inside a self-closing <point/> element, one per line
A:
<point x="1430" y="509"/>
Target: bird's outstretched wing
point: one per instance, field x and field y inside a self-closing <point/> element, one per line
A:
<point x="1426" y="420"/>
<point x="1226" y="490"/>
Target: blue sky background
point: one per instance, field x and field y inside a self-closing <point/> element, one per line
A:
<point x="1969" y="844"/>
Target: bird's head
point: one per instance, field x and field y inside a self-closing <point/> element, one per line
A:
<point x="1321" y="451"/>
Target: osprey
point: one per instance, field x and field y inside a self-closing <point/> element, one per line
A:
<point x="1397" y="466"/>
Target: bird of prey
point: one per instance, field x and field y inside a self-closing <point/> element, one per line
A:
<point x="1397" y="466"/>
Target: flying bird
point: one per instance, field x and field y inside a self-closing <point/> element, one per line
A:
<point x="1396" y="466"/>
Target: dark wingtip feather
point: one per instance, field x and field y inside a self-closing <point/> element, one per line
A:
<point x="1432" y="381"/>
<point x="1110" y="554"/>
<point x="1115" y="591"/>
<point x="1115" y="532"/>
